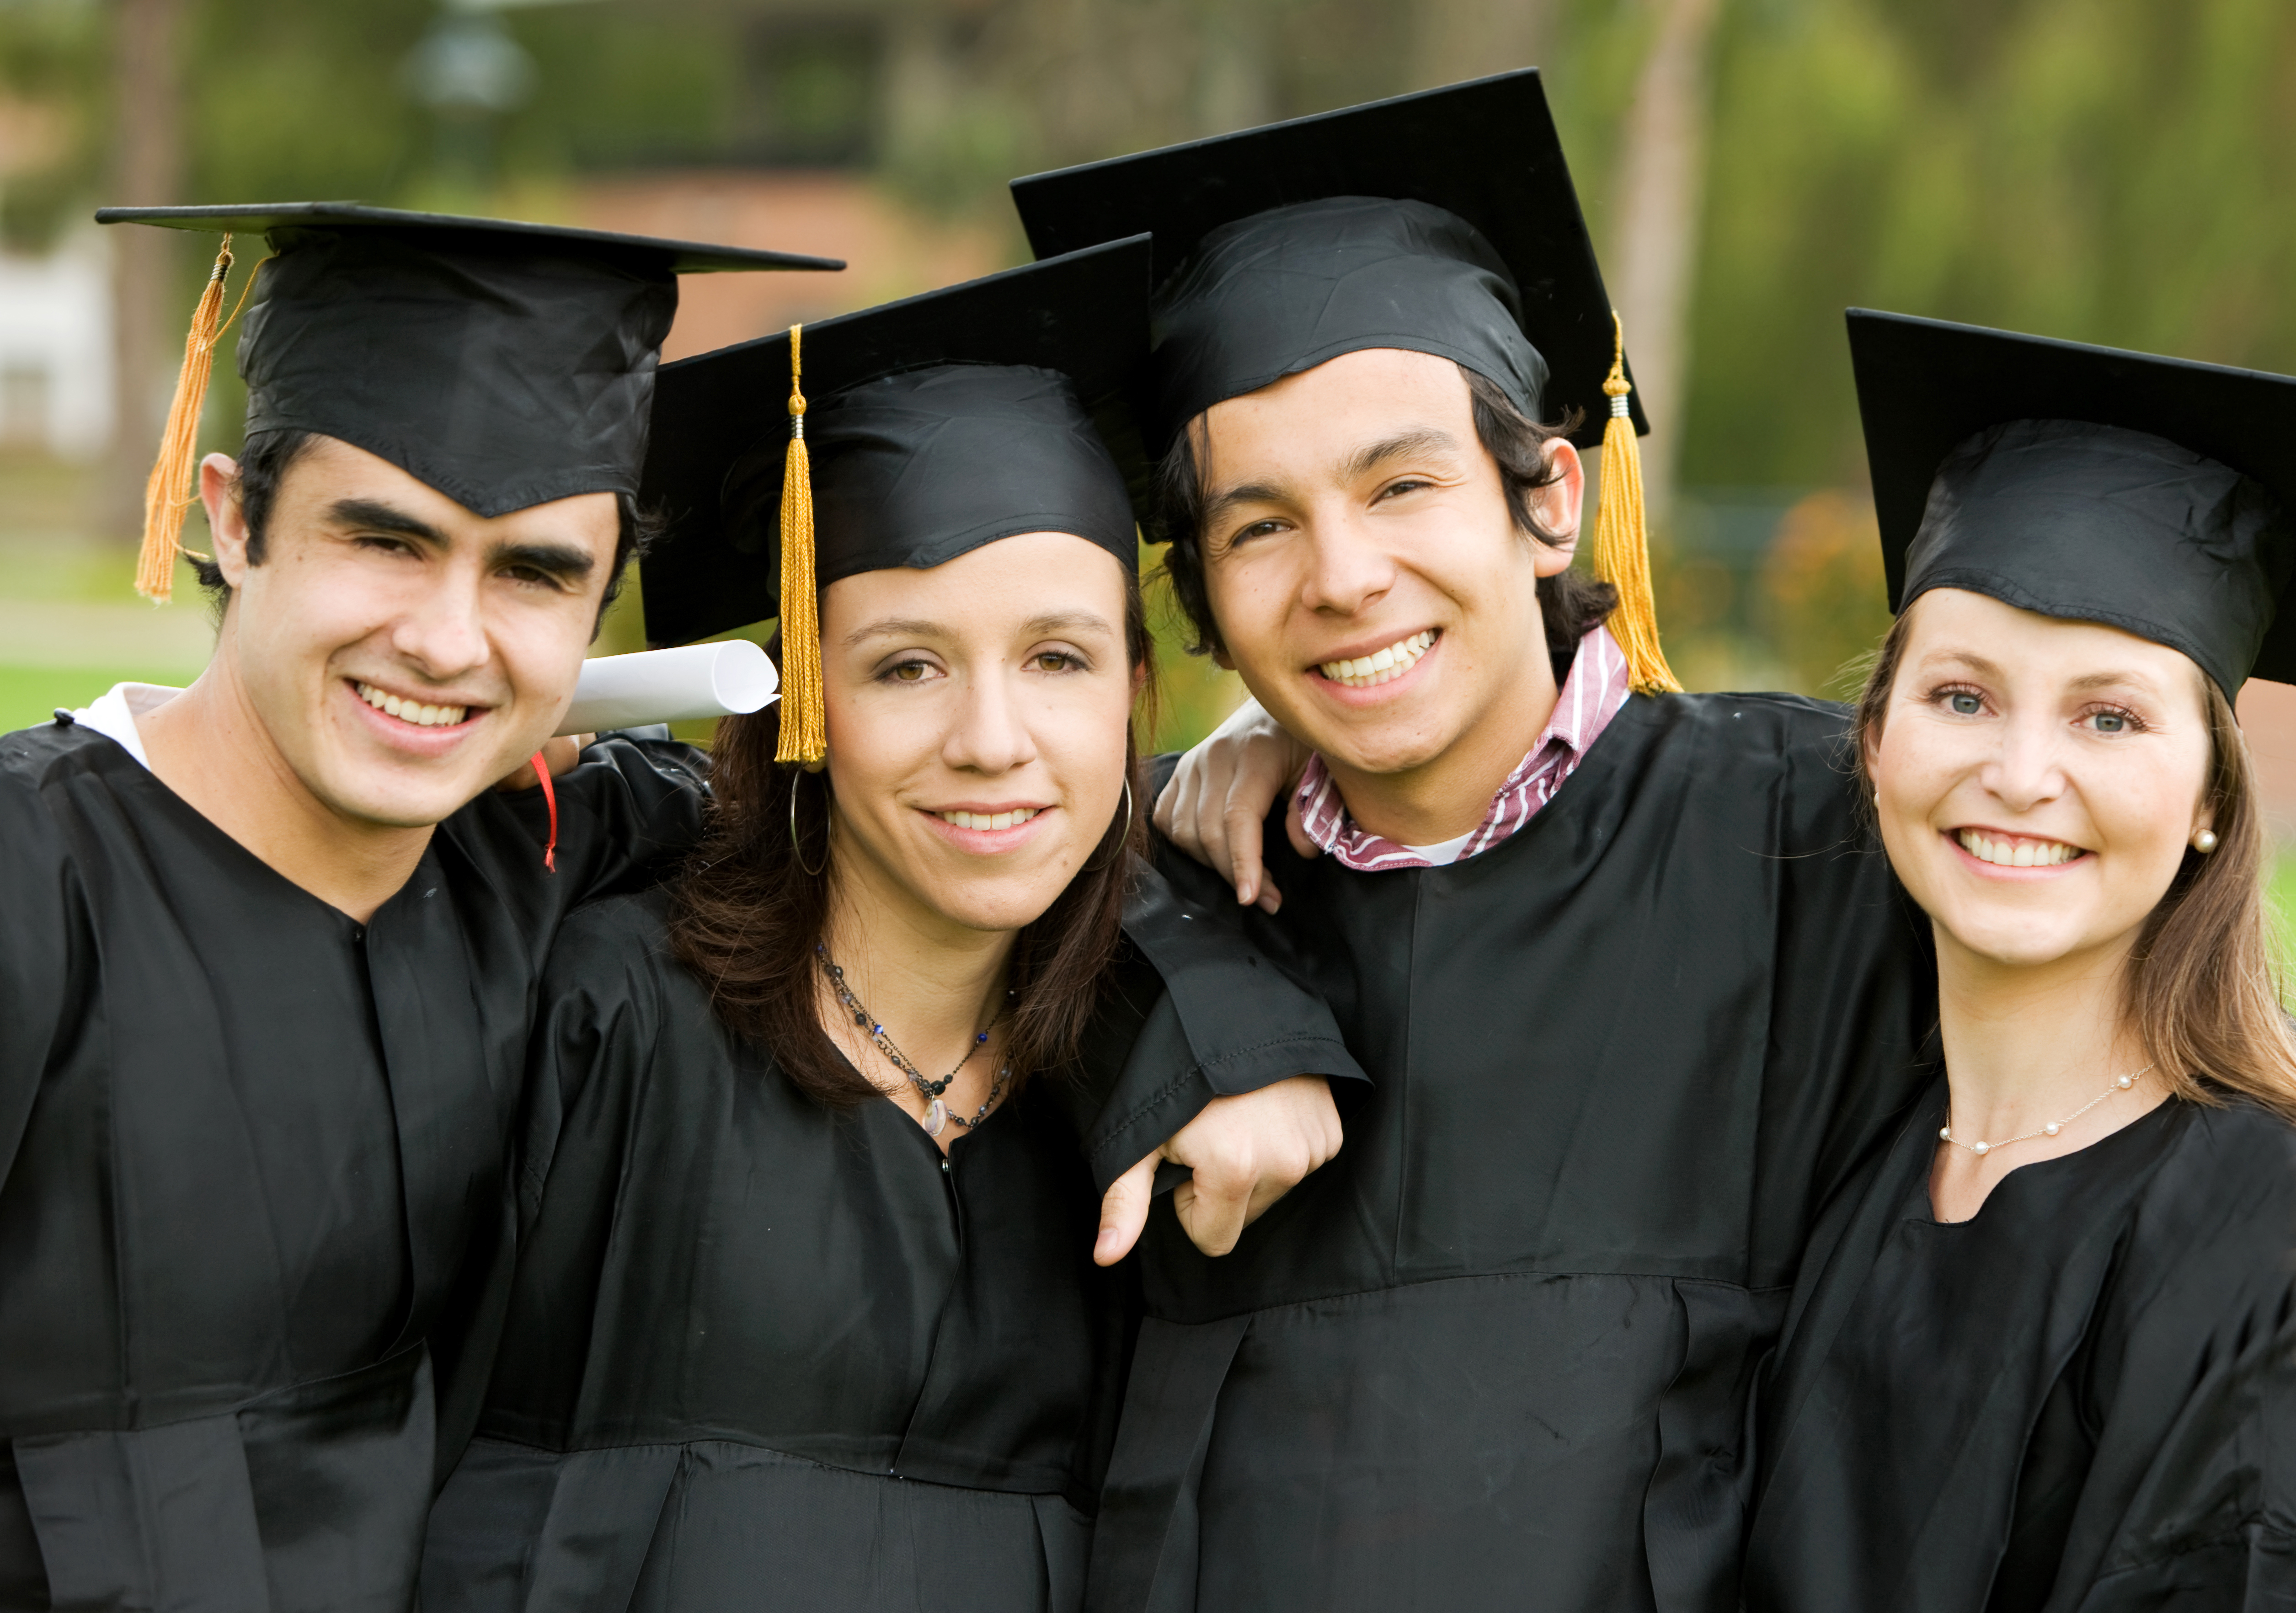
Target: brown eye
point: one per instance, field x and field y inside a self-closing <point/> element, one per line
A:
<point x="1053" y="660"/>
<point x="909" y="672"/>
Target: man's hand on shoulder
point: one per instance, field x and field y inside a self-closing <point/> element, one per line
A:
<point x="1247" y="1151"/>
<point x="1220" y="795"/>
<point x="559" y="755"/>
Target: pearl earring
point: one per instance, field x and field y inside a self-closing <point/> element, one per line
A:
<point x="2205" y="841"/>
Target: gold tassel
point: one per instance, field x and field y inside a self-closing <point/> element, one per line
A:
<point x="168" y="493"/>
<point x="1622" y="536"/>
<point x="805" y="727"/>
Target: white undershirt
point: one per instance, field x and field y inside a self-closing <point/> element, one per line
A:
<point x="113" y="713"/>
<point x="1445" y="853"/>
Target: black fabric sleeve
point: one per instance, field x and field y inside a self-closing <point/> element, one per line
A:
<point x="1209" y="1016"/>
<point x="596" y="1027"/>
<point x="626" y="811"/>
<point x="2190" y="1498"/>
<point x="1856" y="991"/>
<point x="1225" y="1020"/>
<point x="43" y="996"/>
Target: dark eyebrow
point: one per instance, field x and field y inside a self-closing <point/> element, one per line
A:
<point x="891" y="626"/>
<point x="560" y="560"/>
<point x="1068" y="621"/>
<point x="1364" y="460"/>
<point x="376" y="516"/>
<point x="1425" y="440"/>
<point x="1244" y="493"/>
<point x="563" y="561"/>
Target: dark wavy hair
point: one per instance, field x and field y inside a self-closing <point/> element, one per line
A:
<point x="752" y="902"/>
<point x="265" y="457"/>
<point x="1569" y="602"/>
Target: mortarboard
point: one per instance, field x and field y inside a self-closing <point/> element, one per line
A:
<point x="2150" y="493"/>
<point x="914" y="432"/>
<point x="1443" y="222"/>
<point x="504" y="364"/>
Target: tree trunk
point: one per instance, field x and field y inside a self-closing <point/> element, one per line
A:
<point x="1661" y="171"/>
<point x="147" y="168"/>
<point x="1456" y="39"/>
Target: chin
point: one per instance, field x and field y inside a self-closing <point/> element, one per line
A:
<point x="999" y="904"/>
<point x="2014" y="945"/>
<point x="402" y="804"/>
<point x="1398" y="744"/>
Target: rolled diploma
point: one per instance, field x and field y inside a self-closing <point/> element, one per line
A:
<point x="671" y="686"/>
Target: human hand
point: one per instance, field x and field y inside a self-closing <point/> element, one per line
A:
<point x="558" y="755"/>
<point x="1247" y="1151"/>
<point x="1220" y="796"/>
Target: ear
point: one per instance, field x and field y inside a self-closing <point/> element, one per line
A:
<point x="1556" y="507"/>
<point x="226" y="523"/>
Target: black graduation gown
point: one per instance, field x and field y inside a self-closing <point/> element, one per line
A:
<point x="2083" y="1398"/>
<point x="1496" y="1353"/>
<point x="763" y="1355"/>
<point x="253" y="1174"/>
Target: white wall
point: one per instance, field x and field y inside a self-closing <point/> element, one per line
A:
<point x="55" y="348"/>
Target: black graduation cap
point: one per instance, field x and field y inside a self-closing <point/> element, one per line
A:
<point x="2150" y="493"/>
<point x="504" y="363"/>
<point x="1443" y="222"/>
<point x="915" y="432"/>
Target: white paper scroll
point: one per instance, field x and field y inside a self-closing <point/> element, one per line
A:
<point x="671" y="686"/>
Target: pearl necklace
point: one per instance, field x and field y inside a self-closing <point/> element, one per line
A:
<point x="2120" y="1084"/>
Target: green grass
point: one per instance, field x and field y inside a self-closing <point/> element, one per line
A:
<point x="31" y="694"/>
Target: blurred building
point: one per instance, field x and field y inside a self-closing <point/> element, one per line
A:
<point x="895" y="249"/>
<point x="55" y="350"/>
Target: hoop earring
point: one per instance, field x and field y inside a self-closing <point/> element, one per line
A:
<point x="1124" y="839"/>
<point x="797" y="846"/>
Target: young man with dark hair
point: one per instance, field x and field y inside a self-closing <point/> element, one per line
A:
<point x="1630" y="997"/>
<point x="268" y="944"/>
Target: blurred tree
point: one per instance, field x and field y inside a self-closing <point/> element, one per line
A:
<point x="54" y="68"/>
<point x="1653" y="249"/>
<point x="1824" y="587"/>
<point x="147" y="169"/>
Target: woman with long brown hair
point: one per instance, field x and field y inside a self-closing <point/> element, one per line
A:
<point x="2041" y="1352"/>
<point x="805" y="1312"/>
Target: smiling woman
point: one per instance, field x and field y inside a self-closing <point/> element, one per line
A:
<point x="2042" y="1354"/>
<point x="807" y="1298"/>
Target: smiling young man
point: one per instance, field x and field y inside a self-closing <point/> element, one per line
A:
<point x="270" y="943"/>
<point x="1631" y="995"/>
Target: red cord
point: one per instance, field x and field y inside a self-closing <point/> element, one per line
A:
<point x="549" y="794"/>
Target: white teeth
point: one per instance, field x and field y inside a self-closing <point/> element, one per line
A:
<point x="413" y="712"/>
<point x="2027" y="853"/>
<point x="1382" y="666"/>
<point x="991" y="820"/>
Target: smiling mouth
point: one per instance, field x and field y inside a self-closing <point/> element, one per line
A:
<point x="1381" y="665"/>
<point x="989" y="820"/>
<point x="2015" y="851"/>
<point x="412" y="711"/>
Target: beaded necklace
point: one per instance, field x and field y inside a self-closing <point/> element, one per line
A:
<point x="938" y="1114"/>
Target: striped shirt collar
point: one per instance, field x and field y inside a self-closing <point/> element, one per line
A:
<point x="1590" y="697"/>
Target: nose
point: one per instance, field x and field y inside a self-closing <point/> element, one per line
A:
<point x="2027" y="769"/>
<point x="1347" y="571"/>
<point x="443" y="633"/>
<point x="990" y="734"/>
